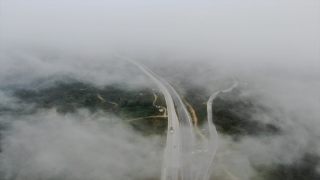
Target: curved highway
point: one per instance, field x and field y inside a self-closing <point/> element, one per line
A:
<point x="205" y="170"/>
<point x="185" y="132"/>
<point x="187" y="136"/>
<point x="171" y="161"/>
<point x="180" y="136"/>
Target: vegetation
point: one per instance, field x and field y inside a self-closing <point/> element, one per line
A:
<point x="151" y="125"/>
<point x="233" y="115"/>
<point x="303" y="169"/>
<point x="197" y="98"/>
<point x="116" y="99"/>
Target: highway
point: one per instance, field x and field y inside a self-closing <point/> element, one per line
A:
<point x="186" y="134"/>
<point x="180" y="143"/>
<point x="207" y="164"/>
<point x="171" y="160"/>
<point x="187" y="138"/>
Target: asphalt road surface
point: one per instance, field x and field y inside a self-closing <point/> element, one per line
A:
<point x="187" y="136"/>
<point x="171" y="161"/>
<point x="180" y="137"/>
<point x="206" y="168"/>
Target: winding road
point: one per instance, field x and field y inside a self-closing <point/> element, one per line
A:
<point x="171" y="161"/>
<point x="206" y="168"/>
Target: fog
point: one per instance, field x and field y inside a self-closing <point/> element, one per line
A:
<point x="271" y="45"/>
<point x="47" y="146"/>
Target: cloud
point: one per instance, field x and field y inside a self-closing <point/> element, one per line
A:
<point x="23" y="66"/>
<point x="293" y="105"/>
<point x="272" y="45"/>
<point x="48" y="145"/>
<point x="241" y="31"/>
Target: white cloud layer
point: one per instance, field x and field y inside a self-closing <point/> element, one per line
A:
<point x="48" y="146"/>
<point x="273" y="45"/>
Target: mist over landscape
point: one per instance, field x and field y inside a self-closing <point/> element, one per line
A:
<point x="73" y="107"/>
